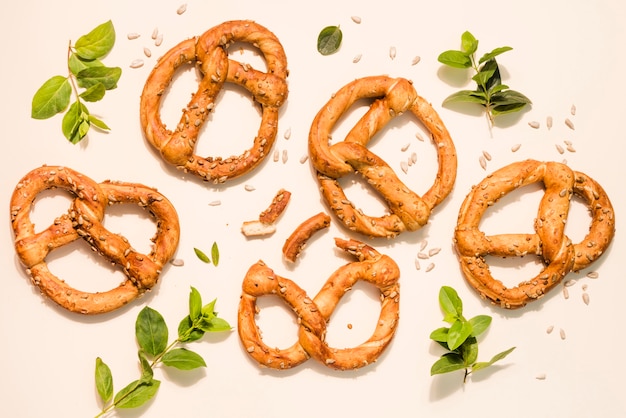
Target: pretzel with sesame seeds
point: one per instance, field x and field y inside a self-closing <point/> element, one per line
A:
<point x="313" y="314"/>
<point x="84" y="220"/>
<point x="391" y="98"/>
<point x="559" y="255"/>
<point x="209" y="53"/>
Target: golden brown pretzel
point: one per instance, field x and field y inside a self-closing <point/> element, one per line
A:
<point x="209" y="53"/>
<point x="556" y="250"/>
<point x="313" y="314"/>
<point x="294" y="244"/>
<point x="393" y="96"/>
<point x="84" y="219"/>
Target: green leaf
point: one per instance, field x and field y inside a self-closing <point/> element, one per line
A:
<point x="469" y="44"/>
<point x="98" y="123"/>
<point x="136" y="394"/>
<point x="195" y="304"/>
<point x="77" y="64"/>
<point x="201" y="255"/>
<point x="208" y="310"/>
<point x="97" y="43"/>
<point x="459" y="332"/>
<point x="509" y="97"/>
<point x="215" y="254"/>
<point x="94" y="93"/>
<point x="465" y="96"/>
<point x="107" y="76"/>
<point x="104" y="381"/>
<point x="146" y="369"/>
<point x="440" y="335"/>
<point x="479" y="324"/>
<point x="51" y="98"/>
<point x="469" y="351"/>
<point x="450" y="302"/>
<point x="215" y="325"/>
<point x="491" y="68"/>
<point x="494" y="53"/>
<point x="187" y="332"/>
<point x="497" y="357"/>
<point x="73" y="123"/>
<point x="151" y="331"/>
<point x="449" y="362"/>
<point x="455" y="59"/>
<point x="329" y="40"/>
<point x="183" y="359"/>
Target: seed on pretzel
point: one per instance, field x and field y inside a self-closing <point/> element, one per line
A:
<point x="391" y="97"/>
<point x="209" y="53"/>
<point x="297" y="240"/>
<point x="559" y="255"/>
<point x="84" y="219"/>
<point x="314" y="314"/>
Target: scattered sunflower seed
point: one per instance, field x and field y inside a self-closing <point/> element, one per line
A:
<point x="159" y="40"/>
<point x="541" y="376"/>
<point x="287" y="133"/>
<point x="433" y="251"/>
<point x="276" y="155"/>
<point x="417" y="264"/>
<point x="483" y="162"/>
<point x="419" y="136"/>
<point x="549" y="122"/>
<point x="534" y="124"/>
<point x="215" y="203"/>
<point x="430" y="267"/>
<point x="178" y="262"/>
<point x="584" y="287"/>
<point x="516" y="147"/>
<point x="133" y="35"/>
<point x="356" y="19"/>
<point x="404" y="166"/>
<point x="560" y="149"/>
<point x="572" y="110"/>
<point x="392" y="52"/>
<point x="570" y="282"/>
<point x="487" y="155"/>
<point x="413" y="157"/>
<point x="593" y="275"/>
<point x="249" y="188"/>
<point x="136" y="63"/>
<point x="423" y="245"/>
<point x="586" y="298"/>
<point x="569" y="123"/>
<point x="285" y="156"/>
<point x="181" y="9"/>
<point x="422" y="255"/>
<point x="416" y="60"/>
<point x="147" y="52"/>
<point x="550" y="329"/>
<point x="304" y="158"/>
<point x="155" y="33"/>
<point x="405" y="147"/>
<point x="357" y="58"/>
<point x="562" y="333"/>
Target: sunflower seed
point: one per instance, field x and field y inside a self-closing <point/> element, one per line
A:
<point x="155" y="33"/>
<point x="549" y="122"/>
<point x="515" y="147"/>
<point x="304" y="158"/>
<point x="487" y="155"/>
<point x="417" y="264"/>
<point x="181" y="9"/>
<point x="178" y="262"/>
<point x="586" y="298"/>
<point x="357" y="58"/>
<point x="483" y="162"/>
<point x="433" y="251"/>
<point x="413" y="157"/>
<point x="572" y="110"/>
<point x="584" y="287"/>
<point x="430" y="267"/>
<point x="287" y="133"/>
<point x="562" y="333"/>
<point x="405" y="147"/>
<point x="404" y="166"/>
<point x="159" y="40"/>
<point x="136" y="63"/>
<point x="550" y="329"/>
<point x="570" y="148"/>
<point x="356" y="19"/>
<point x="276" y="156"/>
<point x="419" y="136"/>
<point x="560" y="149"/>
<point x="215" y="203"/>
<point x="392" y="52"/>
<point x="422" y="255"/>
<point x="541" y="376"/>
<point x="147" y="52"/>
<point x="249" y="188"/>
<point x="570" y="282"/>
<point x="416" y="60"/>
<point x="534" y="124"/>
<point x="565" y="292"/>
<point x="133" y="35"/>
<point x="593" y="275"/>
<point x="569" y="123"/>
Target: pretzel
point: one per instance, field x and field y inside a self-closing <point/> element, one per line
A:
<point x="391" y="97"/>
<point x="84" y="219"/>
<point x="559" y="255"/>
<point x="264" y="225"/>
<point x="209" y="53"/>
<point x="314" y="314"/>
<point x="295" y="243"/>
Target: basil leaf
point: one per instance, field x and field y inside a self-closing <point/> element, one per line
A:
<point x="466" y="96"/>
<point x="195" y="304"/>
<point x="458" y="333"/>
<point x="76" y="64"/>
<point x="440" y="335"/>
<point x="104" y="381"/>
<point x="456" y="59"/>
<point x="449" y="362"/>
<point x="469" y="44"/>
<point x="450" y="302"/>
<point x="479" y="324"/>
<point x="497" y="357"/>
<point x="492" y="68"/>
<point x="51" y="98"/>
<point x="208" y="310"/>
<point x="494" y="53"/>
<point x="98" y="123"/>
<point x="94" y="93"/>
<point x="151" y="331"/>
<point x="215" y="254"/>
<point x="183" y="359"/>
<point x="74" y="121"/>
<point x="187" y="332"/>
<point x="329" y="40"/>
<point x="469" y="351"/>
<point x="97" y="43"/>
<point x="107" y="76"/>
<point x="202" y="256"/>
<point x="215" y="325"/>
<point x="136" y="394"/>
<point x="146" y="369"/>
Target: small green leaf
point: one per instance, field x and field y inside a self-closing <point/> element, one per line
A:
<point x="215" y="254"/>
<point x="107" y="76"/>
<point x="195" y="304"/>
<point x="455" y="59"/>
<point x="449" y="362"/>
<point x="329" y="40"/>
<point x="151" y="331"/>
<point x="497" y="357"/>
<point x="187" y="332"/>
<point x="450" y="302"/>
<point x="479" y="324"/>
<point x="136" y="394"/>
<point x="183" y="359"/>
<point x="104" y="381"/>
<point x="494" y="53"/>
<point x="97" y="43"/>
<point x="459" y="332"/>
<point x="465" y="96"/>
<point x="440" y="335"/>
<point x="77" y="64"/>
<point x="73" y="123"/>
<point x="94" y="93"/>
<point x="491" y="68"/>
<point x="98" y="123"/>
<point x="146" y="369"/>
<point x="215" y="325"/>
<point x="469" y="351"/>
<point x="202" y="256"/>
<point x="208" y="310"/>
<point x="51" y="98"/>
<point x="469" y="44"/>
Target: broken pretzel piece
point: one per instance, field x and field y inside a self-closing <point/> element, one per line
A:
<point x="265" y="224"/>
<point x="297" y="240"/>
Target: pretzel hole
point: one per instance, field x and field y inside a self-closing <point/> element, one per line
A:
<point x="511" y="271"/>
<point x="48" y="205"/>
<point x="578" y="220"/>
<point x="276" y="321"/>
<point x="176" y="96"/>
<point x="356" y="316"/>
<point x="82" y="268"/>
<point x="134" y="223"/>
<point x="246" y="53"/>
<point x="362" y="195"/>
<point x="232" y="125"/>
<point x="514" y="213"/>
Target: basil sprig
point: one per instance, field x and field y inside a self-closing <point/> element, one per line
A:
<point x="88" y="80"/>
<point x="152" y="337"/>
<point x="329" y="40"/>
<point x="459" y="339"/>
<point x="495" y="97"/>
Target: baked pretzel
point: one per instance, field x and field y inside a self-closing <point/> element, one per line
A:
<point x="209" y="53"/>
<point x="549" y="242"/>
<point x="84" y="219"/>
<point x="314" y="314"/>
<point x="392" y="97"/>
<point x="294" y="244"/>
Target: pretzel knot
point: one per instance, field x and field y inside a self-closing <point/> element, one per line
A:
<point x="209" y="53"/>
<point x="314" y="314"/>
<point x="391" y="97"/>
<point x="84" y="219"/>
<point x="559" y="255"/>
